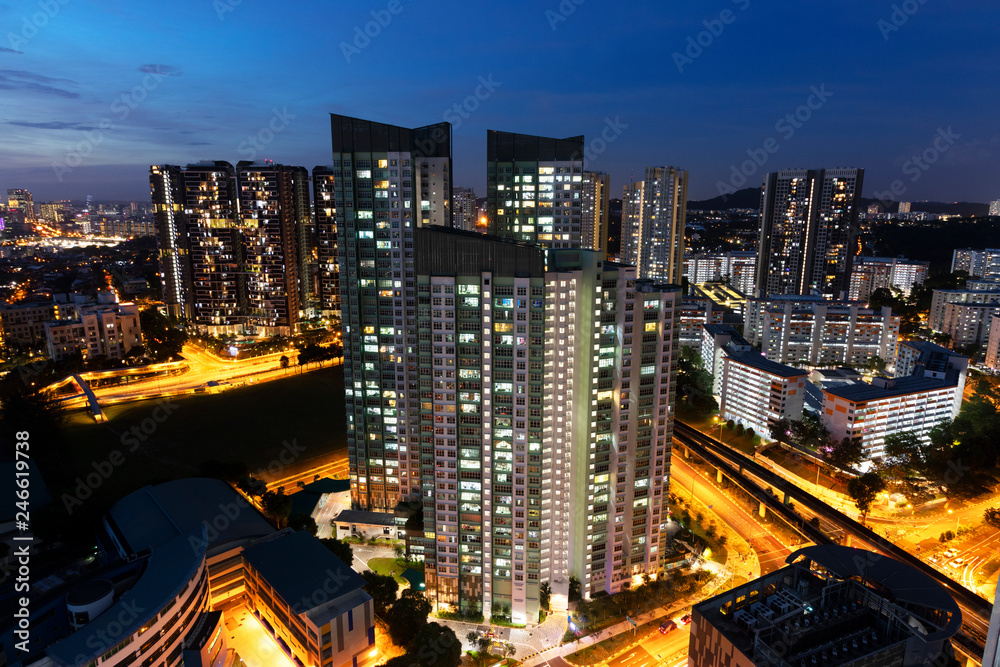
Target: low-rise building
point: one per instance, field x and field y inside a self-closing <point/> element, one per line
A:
<point x="830" y="605"/>
<point x="311" y="602"/>
<point x="24" y="323"/>
<point x="366" y="525"/>
<point x="808" y="330"/>
<point x="105" y="329"/>
<point x="722" y="295"/>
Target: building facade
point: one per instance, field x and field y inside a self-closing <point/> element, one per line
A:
<point x="534" y="188"/>
<point x="813" y="331"/>
<point x="653" y="218"/>
<point x="894" y="273"/>
<point x="930" y="393"/>
<point x="941" y="298"/>
<point x="327" y="263"/>
<point x="106" y="329"/>
<point x="983" y="263"/>
<point x="466" y="212"/>
<point x="757" y="392"/>
<point x="808" y="228"/>
<point x="24" y="323"/>
<point x="737" y="268"/>
<point x="596" y="207"/>
<point x="21" y="200"/>
<point x="378" y="174"/>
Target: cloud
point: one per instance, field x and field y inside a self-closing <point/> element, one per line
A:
<point x="11" y="79"/>
<point x="165" y="70"/>
<point x="4" y="49"/>
<point x="198" y="143"/>
<point x="51" y="125"/>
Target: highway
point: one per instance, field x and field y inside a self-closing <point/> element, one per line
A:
<point x="658" y="649"/>
<point x="975" y="610"/>
<point x="203" y="368"/>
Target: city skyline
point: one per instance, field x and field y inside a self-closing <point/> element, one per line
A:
<point x="87" y="116"/>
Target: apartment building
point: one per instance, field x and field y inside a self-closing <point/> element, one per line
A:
<point x="813" y="331"/>
<point x="104" y="329"/>
<point x="756" y="391"/>
<point x="894" y="273"/>
<point x="736" y="268"/>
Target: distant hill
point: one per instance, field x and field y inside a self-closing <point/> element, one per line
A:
<point x="745" y="198"/>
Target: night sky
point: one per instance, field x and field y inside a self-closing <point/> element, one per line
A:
<point x="103" y="89"/>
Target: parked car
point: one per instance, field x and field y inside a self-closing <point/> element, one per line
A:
<point x="667" y="626"/>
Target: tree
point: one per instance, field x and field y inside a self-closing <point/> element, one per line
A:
<point x="340" y="549"/>
<point x="383" y="588"/>
<point x="781" y="430"/>
<point x="284" y="361"/>
<point x="574" y="589"/>
<point x="863" y="491"/>
<point x="509" y="650"/>
<point x="437" y="646"/>
<point x="903" y="454"/>
<point x="472" y="637"/>
<point x="399" y="550"/>
<point x="694" y="384"/>
<point x="846" y="454"/>
<point x="407" y="616"/>
<point x="303" y="522"/>
<point x="992" y="517"/>
<point x="544" y="594"/>
<point x="161" y="339"/>
<point x="277" y="506"/>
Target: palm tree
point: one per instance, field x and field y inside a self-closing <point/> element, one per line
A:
<point x="509" y="650"/>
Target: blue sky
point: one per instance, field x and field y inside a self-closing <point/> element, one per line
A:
<point x="92" y="93"/>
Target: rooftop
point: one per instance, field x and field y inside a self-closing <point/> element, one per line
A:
<point x="298" y="565"/>
<point x="168" y="570"/>
<point x="364" y="516"/>
<point x="155" y="514"/>
<point x="912" y="384"/>
<point x="756" y="360"/>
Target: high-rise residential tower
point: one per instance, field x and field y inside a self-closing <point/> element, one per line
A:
<point x="547" y="401"/>
<point x="654" y="211"/>
<point x="274" y="212"/>
<point x="808" y="230"/>
<point x="535" y="188"/>
<point x="594" y="218"/>
<point x="328" y="266"/>
<point x="166" y="184"/>
<point x="387" y="181"/>
<point x="466" y="212"/>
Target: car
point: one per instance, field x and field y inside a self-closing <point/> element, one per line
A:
<point x="686" y="619"/>
<point x="932" y="559"/>
<point x="957" y="563"/>
<point x="667" y="626"/>
<point x="950" y="553"/>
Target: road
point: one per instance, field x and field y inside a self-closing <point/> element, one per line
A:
<point x="204" y="368"/>
<point x="770" y="551"/>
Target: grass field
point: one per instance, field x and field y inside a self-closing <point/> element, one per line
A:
<point x="292" y="420"/>
<point x="393" y="566"/>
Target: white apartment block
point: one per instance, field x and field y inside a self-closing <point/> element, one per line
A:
<point x="968" y="323"/>
<point x="918" y="402"/>
<point x="466" y="213"/>
<point x="738" y="268"/>
<point x="653" y="218"/>
<point x="983" y="263"/>
<point x="756" y="392"/>
<point x="942" y="297"/>
<point x="871" y="273"/>
<point x="812" y="331"/>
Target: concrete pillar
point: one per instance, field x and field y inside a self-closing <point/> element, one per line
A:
<point x="718" y="476"/>
<point x="787" y="499"/>
<point x="762" y="511"/>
